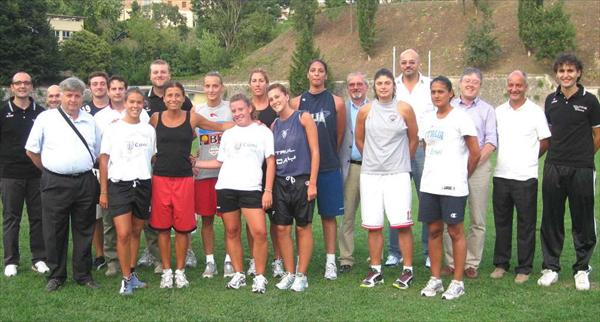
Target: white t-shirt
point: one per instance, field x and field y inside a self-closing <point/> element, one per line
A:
<point x="419" y="98"/>
<point x="519" y="135"/>
<point x="243" y="151"/>
<point x="130" y="147"/>
<point x="446" y="154"/>
<point x="108" y="115"/>
<point x="208" y="141"/>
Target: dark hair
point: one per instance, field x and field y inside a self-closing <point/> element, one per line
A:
<point x="240" y="97"/>
<point x="215" y="74"/>
<point x="444" y="80"/>
<point x="171" y="84"/>
<point x="133" y="90"/>
<point x="278" y="86"/>
<point x="318" y="60"/>
<point x="117" y="78"/>
<point x="259" y="71"/>
<point x="568" y="59"/>
<point x="387" y="73"/>
<point x="98" y="74"/>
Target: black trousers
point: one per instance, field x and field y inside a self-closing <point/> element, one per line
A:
<point x="576" y="184"/>
<point x="69" y="200"/>
<point x="16" y="192"/>
<point x="508" y="195"/>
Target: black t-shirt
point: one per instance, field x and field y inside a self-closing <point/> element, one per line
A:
<point x="91" y="108"/>
<point x="15" y="125"/>
<point x="267" y="116"/>
<point x="571" y="121"/>
<point x="154" y="103"/>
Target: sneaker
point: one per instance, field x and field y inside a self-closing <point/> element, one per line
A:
<point x="135" y="282"/>
<point x="40" y="267"/>
<point x="286" y="281"/>
<point x="373" y="278"/>
<point x="300" y="283"/>
<point x="228" y="270"/>
<point x="10" y="270"/>
<point x="166" y="280"/>
<point x="126" y="287"/>
<point x="582" y="281"/>
<point x="393" y="260"/>
<point x="147" y="259"/>
<point x="345" y="268"/>
<point x="251" y="268"/>
<point x="180" y="279"/>
<point x="158" y="269"/>
<point x="428" y="262"/>
<point x="111" y="269"/>
<point x="277" y="267"/>
<point x="403" y="282"/>
<point x="210" y="271"/>
<point x="455" y="290"/>
<point x="548" y="277"/>
<point x="238" y="280"/>
<point x="330" y="271"/>
<point x="190" y="259"/>
<point x="433" y="287"/>
<point x="521" y="278"/>
<point x="99" y="262"/>
<point x="498" y="273"/>
<point x="259" y="284"/>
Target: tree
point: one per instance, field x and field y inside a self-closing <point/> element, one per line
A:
<point x="220" y="17"/>
<point x="555" y="33"/>
<point x="481" y="47"/>
<point x="335" y="3"/>
<point x="303" y="18"/>
<point x="529" y="17"/>
<point x="27" y="41"/>
<point x="366" y="10"/>
<point x="85" y="52"/>
<point x="99" y="14"/>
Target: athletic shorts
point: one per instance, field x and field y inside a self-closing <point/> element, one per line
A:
<point x="130" y="196"/>
<point x="330" y="193"/>
<point x="382" y="195"/>
<point x="173" y="204"/>
<point x="434" y="207"/>
<point x="231" y="200"/>
<point x="206" y="197"/>
<point x="290" y="201"/>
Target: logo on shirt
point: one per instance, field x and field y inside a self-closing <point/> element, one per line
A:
<point x="321" y="116"/>
<point x="9" y="115"/>
<point x="453" y="215"/>
<point x="579" y="108"/>
<point x="284" y="133"/>
<point x="393" y="118"/>
<point x="86" y="108"/>
<point x="449" y="188"/>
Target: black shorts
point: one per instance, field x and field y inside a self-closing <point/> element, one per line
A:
<point x="434" y="207"/>
<point x="230" y="200"/>
<point x="130" y="196"/>
<point x="290" y="201"/>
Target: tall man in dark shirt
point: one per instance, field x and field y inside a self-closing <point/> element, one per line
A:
<point x="20" y="179"/>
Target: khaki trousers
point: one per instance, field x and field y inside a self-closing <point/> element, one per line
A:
<point x="351" y="202"/>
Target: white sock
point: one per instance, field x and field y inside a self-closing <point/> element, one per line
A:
<point x="227" y="258"/>
<point x="408" y="268"/>
<point x="330" y="258"/>
<point x="210" y="258"/>
<point x="377" y="268"/>
<point x="458" y="282"/>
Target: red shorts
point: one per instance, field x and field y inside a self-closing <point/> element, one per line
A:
<point x="206" y="197"/>
<point x="173" y="204"/>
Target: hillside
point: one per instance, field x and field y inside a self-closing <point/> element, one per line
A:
<point x="439" y="26"/>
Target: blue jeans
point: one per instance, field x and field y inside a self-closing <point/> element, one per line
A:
<point x="417" y="171"/>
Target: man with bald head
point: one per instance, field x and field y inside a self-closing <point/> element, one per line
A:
<point x="20" y="179"/>
<point x="523" y="137"/>
<point x="412" y="87"/>
<point x="53" y="97"/>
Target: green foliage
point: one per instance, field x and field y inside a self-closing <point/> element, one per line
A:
<point x="27" y="41"/>
<point x="85" y="52"/>
<point x="528" y="14"/>
<point x="210" y="53"/>
<point x="481" y="47"/>
<point x="99" y="14"/>
<point x="366" y="10"/>
<point x="305" y="51"/>
<point x="304" y="14"/>
<point x="335" y="3"/>
<point x="554" y="34"/>
<point x="164" y="15"/>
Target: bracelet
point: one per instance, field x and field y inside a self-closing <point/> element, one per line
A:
<point x="268" y="190"/>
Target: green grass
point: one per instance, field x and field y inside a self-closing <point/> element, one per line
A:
<point x="23" y="298"/>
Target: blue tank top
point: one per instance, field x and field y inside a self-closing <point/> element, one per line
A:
<point x="322" y="108"/>
<point x="292" y="155"/>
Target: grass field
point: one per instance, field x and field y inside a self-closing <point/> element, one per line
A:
<point x="23" y="298"/>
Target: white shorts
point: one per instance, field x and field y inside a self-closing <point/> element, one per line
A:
<point x="386" y="194"/>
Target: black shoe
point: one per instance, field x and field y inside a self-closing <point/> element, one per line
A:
<point x="345" y="268"/>
<point x="53" y="285"/>
<point x="99" y="262"/>
<point x="91" y="284"/>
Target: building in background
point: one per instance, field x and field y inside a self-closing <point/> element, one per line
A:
<point x="64" y="26"/>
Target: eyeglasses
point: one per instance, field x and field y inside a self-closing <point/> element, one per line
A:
<point x="471" y="81"/>
<point x="19" y="83"/>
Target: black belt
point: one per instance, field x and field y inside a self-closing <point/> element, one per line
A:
<point x="70" y="175"/>
<point x="356" y="162"/>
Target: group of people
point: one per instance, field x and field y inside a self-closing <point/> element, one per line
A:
<point x="120" y="165"/>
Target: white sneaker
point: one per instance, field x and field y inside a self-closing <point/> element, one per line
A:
<point x="238" y="280"/>
<point x="455" y="290"/>
<point x="158" y="268"/>
<point x="40" y="267"/>
<point x="259" y="284"/>
<point x="190" y="259"/>
<point x="277" y="267"/>
<point x="428" y="262"/>
<point x="251" y="268"/>
<point x="286" y="281"/>
<point x="146" y="259"/>
<point x="300" y="283"/>
<point x="166" y="280"/>
<point x="228" y="270"/>
<point x="433" y="287"/>
<point x="582" y="280"/>
<point x="330" y="271"/>
<point x="180" y="279"/>
<point x="548" y="278"/>
<point x="10" y="270"/>
<point x="393" y="260"/>
<point x="210" y="271"/>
